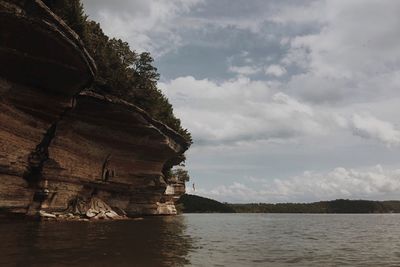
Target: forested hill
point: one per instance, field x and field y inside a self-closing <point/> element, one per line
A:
<point x="196" y="204"/>
<point x="334" y="206"/>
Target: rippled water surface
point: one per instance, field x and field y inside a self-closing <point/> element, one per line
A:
<point x="206" y="240"/>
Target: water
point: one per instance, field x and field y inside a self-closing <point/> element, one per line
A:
<point x="207" y="240"/>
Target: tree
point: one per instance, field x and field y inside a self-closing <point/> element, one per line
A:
<point x="181" y="175"/>
<point x="71" y="11"/>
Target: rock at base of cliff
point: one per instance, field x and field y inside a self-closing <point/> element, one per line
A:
<point x="167" y="208"/>
<point x="85" y="210"/>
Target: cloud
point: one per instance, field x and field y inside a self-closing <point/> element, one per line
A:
<point x="147" y="25"/>
<point x="372" y="128"/>
<point x="244" y="70"/>
<point x="239" y="110"/>
<point x="163" y="26"/>
<point x="275" y="70"/>
<point x="339" y="183"/>
<point x="309" y="12"/>
<point x="371" y="183"/>
<point x="242" y="110"/>
<point x="236" y="190"/>
<point x="353" y="47"/>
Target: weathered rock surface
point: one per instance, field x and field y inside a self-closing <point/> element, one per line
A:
<point x="112" y="149"/>
<point x="81" y="209"/>
<point x="59" y="144"/>
<point x="175" y="189"/>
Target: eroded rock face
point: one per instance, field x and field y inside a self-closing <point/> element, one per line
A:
<point x="112" y="149"/>
<point x="175" y="189"/>
<point x="39" y="49"/>
<point x="58" y="143"/>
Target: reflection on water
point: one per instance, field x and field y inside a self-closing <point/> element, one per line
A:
<point x="207" y="240"/>
<point x="156" y="241"/>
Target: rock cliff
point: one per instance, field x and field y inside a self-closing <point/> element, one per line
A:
<point x="60" y="142"/>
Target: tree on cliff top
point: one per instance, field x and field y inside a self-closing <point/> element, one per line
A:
<point x="121" y="71"/>
<point x="181" y="175"/>
<point x="71" y="11"/>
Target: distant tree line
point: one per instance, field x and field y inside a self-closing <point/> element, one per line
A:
<point x="196" y="204"/>
<point x="334" y="206"/>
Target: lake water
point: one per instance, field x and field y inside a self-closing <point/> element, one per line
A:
<point x="207" y="240"/>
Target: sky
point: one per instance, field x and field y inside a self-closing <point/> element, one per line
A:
<point x="287" y="101"/>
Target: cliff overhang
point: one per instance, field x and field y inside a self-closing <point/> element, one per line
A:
<point x="60" y="142"/>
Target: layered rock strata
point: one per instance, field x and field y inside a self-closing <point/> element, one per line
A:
<point x="175" y="189"/>
<point x="59" y="142"/>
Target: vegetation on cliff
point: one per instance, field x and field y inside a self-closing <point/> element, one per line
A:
<point x="121" y="71"/>
<point x="180" y="174"/>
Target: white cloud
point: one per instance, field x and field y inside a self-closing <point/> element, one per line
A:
<point x="357" y="42"/>
<point x="371" y="183"/>
<point x="275" y="70"/>
<point x="233" y="192"/>
<point x="243" y="110"/>
<point x="146" y="25"/>
<point x="372" y="128"/>
<point x="338" y="183"/>
<point x="239" y="110"/>
<point x="307" y="12"/>
<point x="244" y="70"/>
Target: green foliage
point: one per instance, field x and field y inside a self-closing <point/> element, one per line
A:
<point x="181" y="174"/>
<point x="71" y="11"/>
<point x="121" y="71"/>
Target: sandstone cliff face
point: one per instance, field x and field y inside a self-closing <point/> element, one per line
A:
<point x="59" y="142"/>
<point x="114" y="150"/>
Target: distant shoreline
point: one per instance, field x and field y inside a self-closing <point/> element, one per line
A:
<point x="197" y="204"/>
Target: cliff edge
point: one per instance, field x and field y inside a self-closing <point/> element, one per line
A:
<point x="61" y="144"/>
